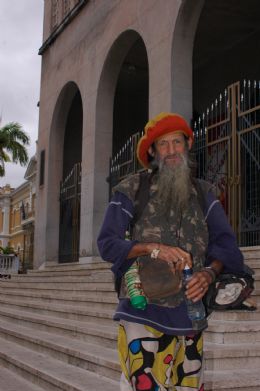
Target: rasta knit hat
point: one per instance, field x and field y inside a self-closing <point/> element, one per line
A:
<point x="162" y="124"/>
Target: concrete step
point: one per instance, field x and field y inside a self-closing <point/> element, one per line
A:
<point x="251" y="252"/>
<point x="59" y="285"/>
<point x="50" y="373"/>
<point x="235" y="315"/>
<point x="235" y="332"/>
<point x="95" y="262"/>
<point x="72" y="268"/>
<point x="232" y="356"/>
<point x="34" y="290"/>
<point x="256" y="294"/>
<point x="105" y="301"/>
<point x="104" y="360"/>
<point x="233" y="380"/>
<point x="93" y="332"/>
<point x="97" y="358"/>
<point x="12" y="382"/>
<point x="62" y="311"/>
<point x="99" y="277"/>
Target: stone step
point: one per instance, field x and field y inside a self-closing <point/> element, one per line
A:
<point x="232" y="380"/>
<point x="61" y="311"/>
<point x="51" y="290"/>
<point x="88" y="331"/>
<point x="59" y="285"/>
<point x="97" y="358"/>
<point x="99" y="277"/>
<point x="65" y="348"/>
<point x="50" y="373"/>
<point x="232" y="356"/>
<point x="256" y="294"/>
<point x="232" y="332"/>
<point x="237" y="315"/>
<point x="78" y="267"/>
<point x="11" y="382"/>
<point x="253" y="263"/>
<point x="78" y="272"/>
<point x="73" y="265"/>
<point x="105" y="301"/>
<point x="251" y="252"/>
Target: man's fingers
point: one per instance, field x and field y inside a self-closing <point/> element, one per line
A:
<point x="197" y="286"/>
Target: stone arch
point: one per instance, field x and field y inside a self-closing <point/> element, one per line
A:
<point x="107" y="87"/>
<point x="57" y="167"/>
<point x="105" y="114"/>
<point x="182" y="53"/>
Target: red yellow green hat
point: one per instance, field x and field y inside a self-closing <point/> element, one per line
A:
<point x="160" y="125"/>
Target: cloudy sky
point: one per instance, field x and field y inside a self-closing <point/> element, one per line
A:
<point x="21" y="24"/>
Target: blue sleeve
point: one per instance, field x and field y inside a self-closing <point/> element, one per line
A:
<point x="222" y="240"/>
<point x="111" y="240"/>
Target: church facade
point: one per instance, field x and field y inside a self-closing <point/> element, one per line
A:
<point x="109" y="66"/>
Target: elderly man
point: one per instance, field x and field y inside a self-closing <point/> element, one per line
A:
<point x="159" y="348"/>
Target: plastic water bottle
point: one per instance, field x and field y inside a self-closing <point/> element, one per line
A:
<point x="133" y="284"/>
<point x="196" y="310"/>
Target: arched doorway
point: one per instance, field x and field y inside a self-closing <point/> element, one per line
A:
<point x="122" y="103"/>
<point x="226" y="109"/>
<point x="131" y="95"/>
<point x="64" y="168"/>
<point x="70" y="190"/>
<point x="124" y="62"/>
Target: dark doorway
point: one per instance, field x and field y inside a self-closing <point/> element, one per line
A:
<point x="226" y="109"/>
<point x="226" y="48"/>
<point x="131" y="95"/>
<point x="70" y="189"/>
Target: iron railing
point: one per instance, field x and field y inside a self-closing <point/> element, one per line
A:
<point x="227" y="148"/>
<point x="227" y="145"/>
<point x="124" y="162"/>
<point x="70" y="191"/>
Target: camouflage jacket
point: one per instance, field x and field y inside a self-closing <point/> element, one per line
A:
<point x="187" y="230"/>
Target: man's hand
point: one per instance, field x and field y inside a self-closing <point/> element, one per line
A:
<point x="198" y="285"/>
<point x="174" y="256"/>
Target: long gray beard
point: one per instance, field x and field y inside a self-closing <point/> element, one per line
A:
<point x="174" y="186"/>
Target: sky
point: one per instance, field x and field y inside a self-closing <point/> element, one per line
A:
<point x="21" y="23"/>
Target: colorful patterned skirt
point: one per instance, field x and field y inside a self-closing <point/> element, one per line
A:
<point x="154" y="361"/>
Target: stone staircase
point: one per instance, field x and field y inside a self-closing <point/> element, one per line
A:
<point x="57" y="333"/>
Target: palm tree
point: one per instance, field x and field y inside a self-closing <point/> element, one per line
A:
<point x="13" y="141"/>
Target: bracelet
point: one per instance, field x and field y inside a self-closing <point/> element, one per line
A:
<point x="155" y="253"/>
<point x="212" y="272"/>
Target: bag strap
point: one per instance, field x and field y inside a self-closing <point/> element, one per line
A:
<point x="201" y="194"/>
<point x="142" y="196"/>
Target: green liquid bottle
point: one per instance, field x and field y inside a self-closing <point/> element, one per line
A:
<point x="133" y="283"/>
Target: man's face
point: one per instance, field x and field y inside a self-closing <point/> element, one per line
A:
<point x="170" y="148"/>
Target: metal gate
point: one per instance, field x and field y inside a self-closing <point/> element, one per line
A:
<point x="70" y="191"/>
<point x="227" y="145"/>
<point x="227" y="148"/>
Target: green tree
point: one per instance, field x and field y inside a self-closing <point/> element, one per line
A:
<point x="13" y="142"/>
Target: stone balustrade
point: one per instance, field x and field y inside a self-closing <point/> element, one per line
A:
<point x="9" y="264"/>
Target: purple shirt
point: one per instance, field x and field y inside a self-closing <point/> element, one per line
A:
<point x="114" y="248"/>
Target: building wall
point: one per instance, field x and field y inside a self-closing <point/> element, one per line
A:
<point x="87" y="57"/>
